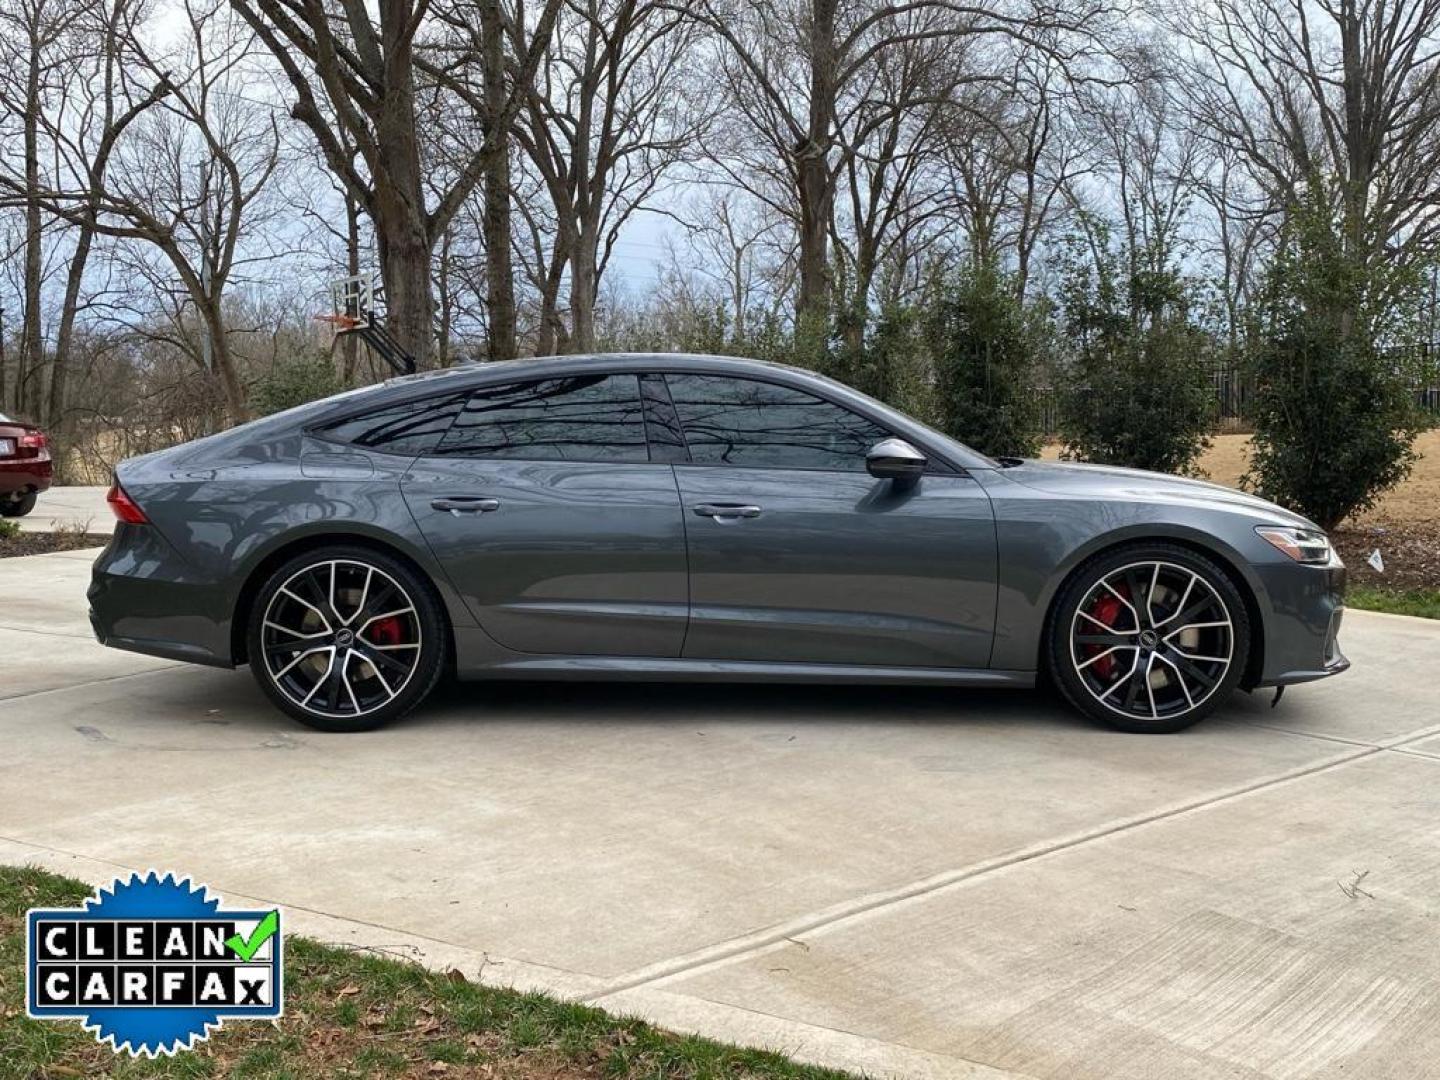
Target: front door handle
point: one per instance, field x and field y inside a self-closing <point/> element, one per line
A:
<point x="466" y="504"/>
<point x="726" y="511"/>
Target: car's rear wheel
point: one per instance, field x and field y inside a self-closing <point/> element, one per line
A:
<point x="1149" y="638"/>
<point x="17" y="507"/>
<point x="346" y="638"/>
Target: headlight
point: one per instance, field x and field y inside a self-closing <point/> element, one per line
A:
<point x="1302" y="545"/>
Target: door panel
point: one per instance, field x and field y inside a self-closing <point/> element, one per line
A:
<point x="560" y="557"/>
<point x="838" y="567"/>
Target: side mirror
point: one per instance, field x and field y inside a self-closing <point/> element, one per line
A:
<point x="895" y="459"/>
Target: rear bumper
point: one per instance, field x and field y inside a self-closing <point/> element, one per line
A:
<point x="1302" y="632"/>
<point x="23" y="476"/>
<point x="145" y="599"/>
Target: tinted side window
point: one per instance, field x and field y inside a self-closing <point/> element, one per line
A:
<point x="746" y="422"/>
<point x="582" y="418"/>
<point x="411" y="427"/>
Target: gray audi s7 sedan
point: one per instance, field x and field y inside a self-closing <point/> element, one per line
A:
<point x="647" y="517"/>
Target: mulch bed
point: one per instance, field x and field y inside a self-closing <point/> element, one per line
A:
<point x="42" y="543"/>
<point x="1410" y="550"/>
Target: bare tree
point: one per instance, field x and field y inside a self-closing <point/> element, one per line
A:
<point x="106" y="108"/>
<point x="790" y="65"/>
<point x="892" y="189"/>
<point x="1342" y="89"/>
<point x="186" y="178"/>
<point x="90" y="97"/>
<point x="610" y="111"/>
<point x="1235" y="233"/>
<point x="1148" y="156"/>
<point x="370" y="69"/>
<point x="30" y="31"/>
<point x="736" y="247"/>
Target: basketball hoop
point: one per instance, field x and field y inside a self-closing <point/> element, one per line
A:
<point x="353" y="296"/>
<point x="350" y="305"/>
<point x="341" y="323"/>
<point x="351" y="312"/>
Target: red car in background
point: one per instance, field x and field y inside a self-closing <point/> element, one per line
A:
<point x="25" y="466"/>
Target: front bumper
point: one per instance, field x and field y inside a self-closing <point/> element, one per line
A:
<point x="1302" y="629"/>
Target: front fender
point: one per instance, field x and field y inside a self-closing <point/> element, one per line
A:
<point x="1043" y="538"/>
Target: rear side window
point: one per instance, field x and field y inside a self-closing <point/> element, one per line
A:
<point x="410" y="427"/>
<point x="577" y="418"/>
<point x="759" y="424"/>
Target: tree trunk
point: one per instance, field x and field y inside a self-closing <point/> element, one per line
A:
<point x="582" y="296"/>
<point x="737" y="291"/>
<point x="1356" y="91"/>
<point x="235" y="404"/>
<point x="57" y="418"/>
<point x="812" y="167"/>
<point x="499" y="271"/>
<point x="349" y="343"/>
<point x="858" y="316"/>
<point x="550" y="341"/>
<point x="442" y="343"/>
<point x="405" y="272"/>
<point x="29" y="367"/>
<point x="402" y="226"/>
<point x="4" y="357"/>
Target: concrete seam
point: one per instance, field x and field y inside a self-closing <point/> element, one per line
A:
<point x="756" y="943"/>
<point x="93" y="682"/>
<point x="45" y="633"/>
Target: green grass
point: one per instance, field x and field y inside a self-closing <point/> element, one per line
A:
<point x="1422" y="602"/>
<point x="353" y="1014"/>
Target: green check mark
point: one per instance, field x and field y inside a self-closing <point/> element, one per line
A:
<point x="245" y="948"/>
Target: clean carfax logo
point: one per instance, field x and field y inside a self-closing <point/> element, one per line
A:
<point x="150" y="965"/>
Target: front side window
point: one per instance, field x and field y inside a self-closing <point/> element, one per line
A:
<point x="409" y="427"/>
<point x="576" y="418"/>
<point x="747" y="422"/>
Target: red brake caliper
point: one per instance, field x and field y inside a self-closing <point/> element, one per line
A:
<point x="1103" y="610"/>
<point x="387" y="631"/>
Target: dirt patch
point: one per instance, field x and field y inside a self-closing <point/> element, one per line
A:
<point x="42" y="543"/>
<point x="1404" y="525"/>
<point x="1417" y="499"/>
<point x="1410" y="551"/>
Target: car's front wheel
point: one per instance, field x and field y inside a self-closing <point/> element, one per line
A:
<point x="1149" y="638"/>
<point x="346" y="638"/>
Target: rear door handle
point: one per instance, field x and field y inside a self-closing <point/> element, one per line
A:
<point x="466" y="504"/>
<point x="726" y="511"/>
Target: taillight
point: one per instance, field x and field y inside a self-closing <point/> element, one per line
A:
<point x="33" y="446"/>
<point x="126" y="509"/>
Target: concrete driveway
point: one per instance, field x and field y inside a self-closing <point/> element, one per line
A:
<point x="918" y="883"/>
<point x="68" y="507"/>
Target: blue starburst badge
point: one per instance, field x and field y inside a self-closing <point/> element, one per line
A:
<point x="151" y="965"/>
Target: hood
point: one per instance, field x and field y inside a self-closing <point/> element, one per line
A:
<point x="1137" y="485"/>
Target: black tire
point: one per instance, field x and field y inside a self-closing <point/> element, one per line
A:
<point x="18" y="507"/>
<point x="1095" y="657"/>
<point x="301" y="620"/>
